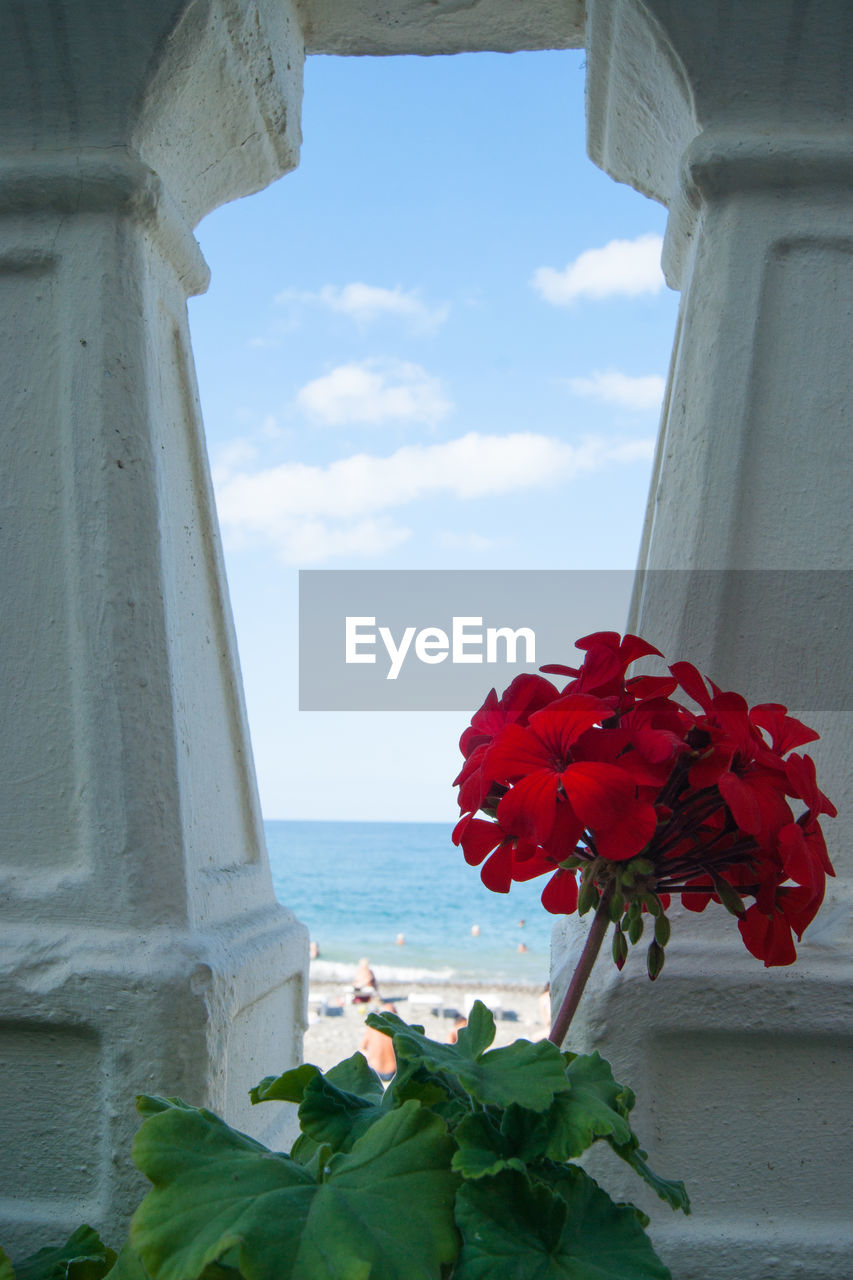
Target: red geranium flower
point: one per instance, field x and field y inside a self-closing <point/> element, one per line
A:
<point x="615" y="782"/>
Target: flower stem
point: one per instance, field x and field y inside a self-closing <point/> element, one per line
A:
<point x="591" y="948"/>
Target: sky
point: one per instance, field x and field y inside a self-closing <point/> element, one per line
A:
<point x="440" y="343"/>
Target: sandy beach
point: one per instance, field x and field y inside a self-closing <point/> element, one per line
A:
<point x="337" y="1026"/>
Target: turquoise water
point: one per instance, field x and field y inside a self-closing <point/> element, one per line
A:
<point x="357" y="885"/>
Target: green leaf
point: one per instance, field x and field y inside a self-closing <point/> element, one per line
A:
<point x="151" y="1104"/>
<point x="672" y="1192"/>
<point x="596" y="1107"/>
<point x="7" y="1271"/>
<point x="483" y="1148"/>
<point x="569" y="1231"/>
<point x="328" y="1114"/>
<point x="354" y="1075"/>
<point x="303" y="1149"/>
<point x="443" y="1096"/>
<point x="524" y="1072"/>
<point x="383" y="1209"/>
<point x="288" y="1087"/>
<point x="89" y="1268"/>
<point x="84" y="1256"/>
<point x="128" y="1266"/>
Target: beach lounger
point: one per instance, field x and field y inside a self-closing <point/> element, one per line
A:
<point x="318" y="1003"/>
<point x="491" y="999"/>
<point x="421" y="1000"/>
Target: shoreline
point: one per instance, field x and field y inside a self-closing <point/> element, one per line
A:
<point x="336" y="1026"/>
<point x="323" y="973"/>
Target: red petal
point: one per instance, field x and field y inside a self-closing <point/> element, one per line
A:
<point x="767" y="937"/>
<point x="560" y="895"/>
<point x="477" y="838"/>
<point x="816" y="842"/>
<point x="600" y="639"/>
<point x="496" y="873"/>
<point x="742" y="802"/>
<point x="560" y="725"/>
<point x="514" y="753"/>
<point x="529" y="865"/>
<point x="528" y="808"/>
<point x="785" y="732"/>
<point x="802" y="777"/>
<point x="692" y="684"/>
<point x="634" y="647"/>
<point x="799" y="906"/>
<point x="707" y="769"/>
<point x="643" y="687"/>
<point x="565" y="833"/>
<point x="527" y="693"/>
<point x="472" y="763"/>
<point x="695" y="901"/>
<point x="798" y="860"/>
<point x="605" y="799"/>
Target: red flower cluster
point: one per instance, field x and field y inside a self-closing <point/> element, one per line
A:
<point x="613" y="783"/>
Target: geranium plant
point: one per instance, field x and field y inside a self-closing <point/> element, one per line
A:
<point x="466" y="1165"/>
<point x="623" y="796"/>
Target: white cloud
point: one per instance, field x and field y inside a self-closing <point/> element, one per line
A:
<point x="465" y="541"/>
<point x="620" y="388"/>
<point x="365" y="303"/>
<point x="625" y="268"/>
<point x="309" y="513"/>
<point x="237" y="453"/>
<point x="312" y="541"/>
<point x="373" y="392"/>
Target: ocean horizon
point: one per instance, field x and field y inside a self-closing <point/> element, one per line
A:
<point x="359" y="886"/>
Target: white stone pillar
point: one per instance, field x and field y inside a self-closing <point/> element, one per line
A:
<point x="737" y="116"/>
<point x="141" y="949"/>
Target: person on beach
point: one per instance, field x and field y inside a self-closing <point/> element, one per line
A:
<point x="379" y="1049"/>
<point x="458" y="1023"/>
<point x="364" y="986"/>
<point x="545" y="1005"/>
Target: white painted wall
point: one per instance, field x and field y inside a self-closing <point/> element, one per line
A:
<point x="141" y="948"/>
<point x="738" y="119"/>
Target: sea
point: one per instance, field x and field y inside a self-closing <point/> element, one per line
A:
<point x="401" y="894"/>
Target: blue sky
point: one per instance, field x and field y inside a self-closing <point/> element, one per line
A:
<point x="439" y="343"/>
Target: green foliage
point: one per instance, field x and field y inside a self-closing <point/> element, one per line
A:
<point x="565" y="1228"/>
<point x="221" y="1197"/>
<point x="460" y="1168"/>
<point x="82" y="1257"/>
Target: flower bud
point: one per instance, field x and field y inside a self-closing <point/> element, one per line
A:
<point x="653" y="904"/>
<point x="620" y="948"/>
<point x="662" y="930"/>
<point x="617" y="906"/>
<point x="635" y="928"/>
<point x="655" y="960"/>
<point x="588" y="896"/>
<point x="642" y="866"/>
<point x="728" y="895"/>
